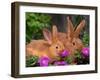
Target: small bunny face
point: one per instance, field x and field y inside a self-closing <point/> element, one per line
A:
<point x="77" y="44"/>
<point x="56" y="48"/>
<point x="55" y="45"/>
<point x="73" y="45"/>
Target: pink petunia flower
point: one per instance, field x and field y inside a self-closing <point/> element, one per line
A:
<point x="85" y="51"/>
<point x="44" y="61"/>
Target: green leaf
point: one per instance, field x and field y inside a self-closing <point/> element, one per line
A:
<point x="85" y="39"/>
<point x="35" y="22"/>
<point x="31" y="61"/>
<point x="68" y="59"/>
<point x="78" y="55"/>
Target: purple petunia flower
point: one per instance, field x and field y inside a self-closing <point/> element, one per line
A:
<point x="85" y="51"/>
<point x="44" y="61"/>
<point x="64" y="53"/>
<point x="60" y="63"/>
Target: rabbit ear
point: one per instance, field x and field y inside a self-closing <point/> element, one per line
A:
<point x="47" y="35"/>
<point x="70" y="28"/>
<point x="79" y="28"/>
<point x="54" y="32"/>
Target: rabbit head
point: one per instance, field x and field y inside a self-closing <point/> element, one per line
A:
<point x="72" y="41"/>
<point x="55" y="45"/>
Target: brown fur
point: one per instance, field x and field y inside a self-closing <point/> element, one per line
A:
<point x="46" y="47"/>
<point x="71" y="39"/>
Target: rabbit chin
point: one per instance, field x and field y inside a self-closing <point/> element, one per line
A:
<point x="55" y="59"/>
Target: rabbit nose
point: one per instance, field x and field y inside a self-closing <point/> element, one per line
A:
<point x="61" y="51"/>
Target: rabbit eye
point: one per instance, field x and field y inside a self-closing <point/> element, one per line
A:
<point x="73" y="43"/>
<point x="56" y="47"/>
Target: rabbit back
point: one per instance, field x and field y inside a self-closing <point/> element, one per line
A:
<point x="37" y="48"/>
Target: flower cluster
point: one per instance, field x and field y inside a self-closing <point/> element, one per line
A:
<point x="82" y="57"/>
<point x="44" y="61"/>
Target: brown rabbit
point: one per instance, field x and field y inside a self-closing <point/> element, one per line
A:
<point x="71" y="39"/>
<point x="49" y="47"/>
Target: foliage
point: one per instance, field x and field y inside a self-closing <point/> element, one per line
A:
<point x="68" y="59"/>
<point x="35" y="22"/>
<point x="80" y="59"/>
<point x="77" y="19"/>
<point x="31" y="61"/>
<point x="85" y="39"/>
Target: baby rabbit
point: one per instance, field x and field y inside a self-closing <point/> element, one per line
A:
<point x="73" y="42"/>
<point x="71" y="39"/>
<point x="49" y="47"/>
